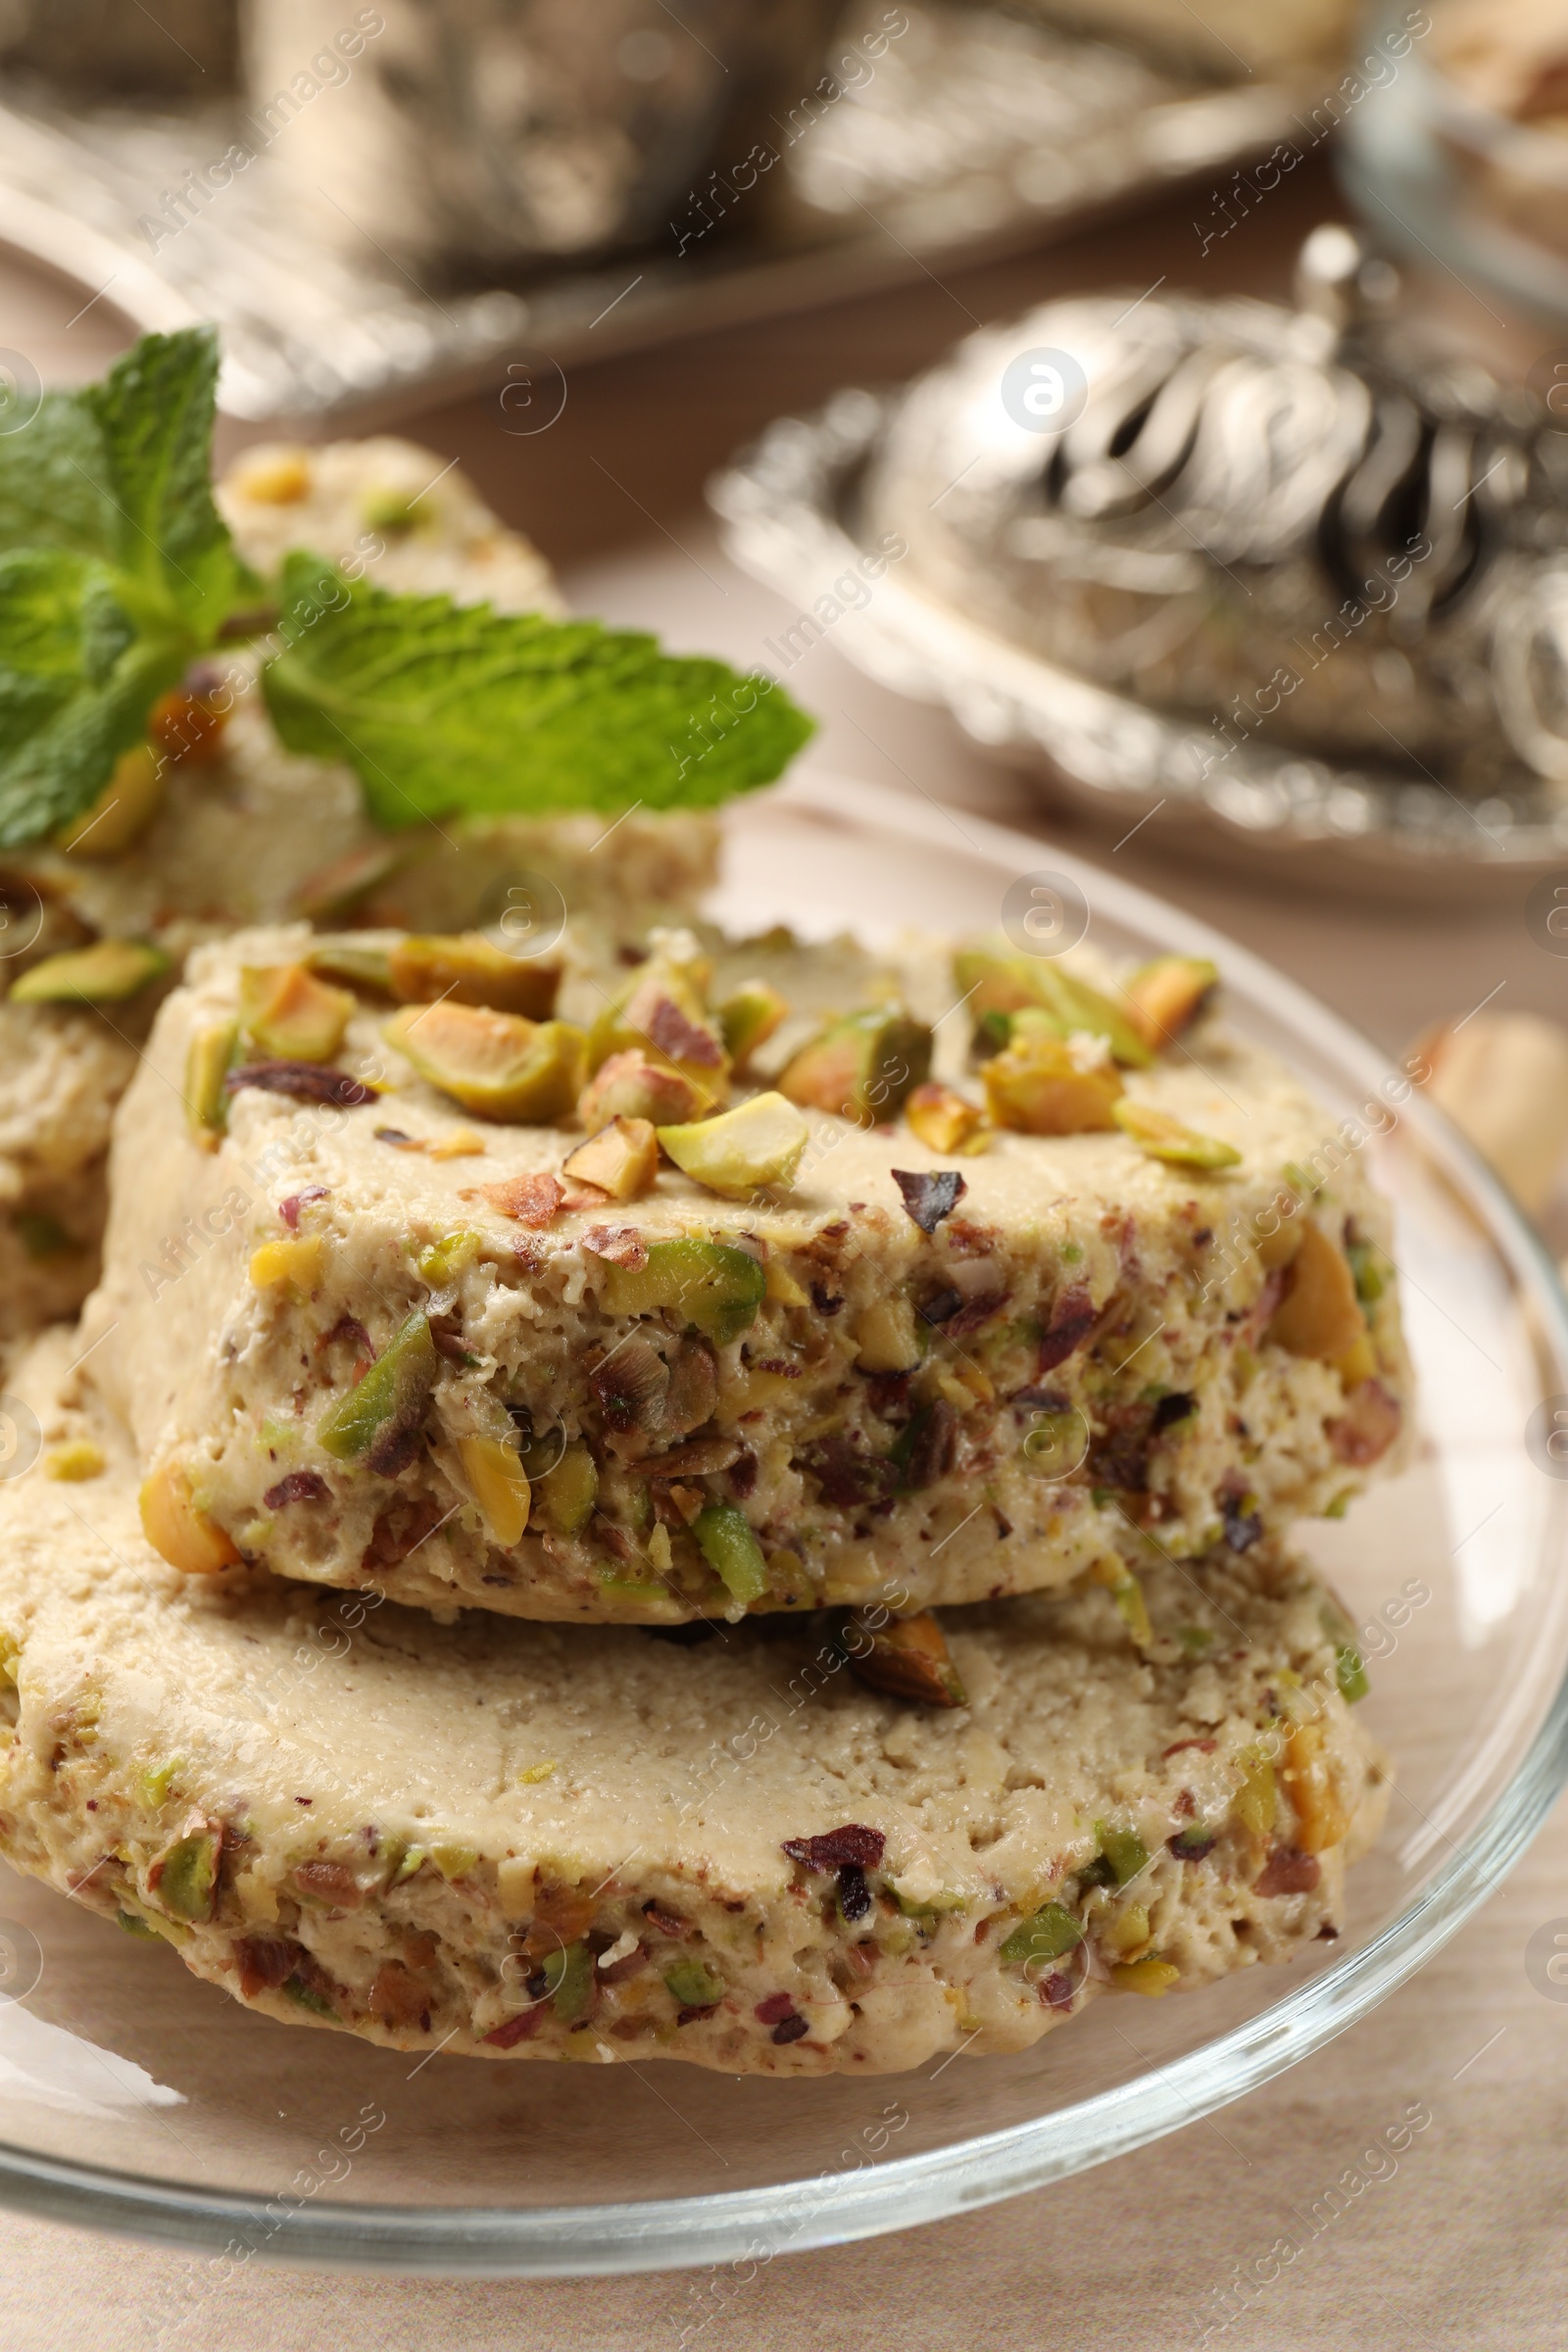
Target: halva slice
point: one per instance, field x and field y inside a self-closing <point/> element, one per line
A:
<point x="584" y="1315"/>
<point x="533" y="1841"/>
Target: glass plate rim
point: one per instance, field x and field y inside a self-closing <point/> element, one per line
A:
<point x="905" y="2192"/>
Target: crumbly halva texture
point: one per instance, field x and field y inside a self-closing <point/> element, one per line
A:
<point x="554" y="1841"/>
<point x="241" y="831"/>
<point x="861" y="1383"/>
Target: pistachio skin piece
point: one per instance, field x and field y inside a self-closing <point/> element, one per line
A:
<point x="463" y="967"/>
<point x="517" y="1072"/>
<point x="706" y="1283"/>
<point x="863" y="1066"/>
<point x="105" y="973"/>
<point x="378" y="1421"/>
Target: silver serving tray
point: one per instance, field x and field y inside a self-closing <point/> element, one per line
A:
<point x="789" y="513"/>
<point x="979" y="134"/>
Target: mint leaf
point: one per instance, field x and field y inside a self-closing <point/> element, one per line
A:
<point x="77" y="678"/>
<point x="51" y="487"/>
<point x="154" y="413"/>
<point x="442" y="707"/>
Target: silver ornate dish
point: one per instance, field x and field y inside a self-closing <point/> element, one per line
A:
<point x="968" y="134"/>
<point x="1206" y="561"/>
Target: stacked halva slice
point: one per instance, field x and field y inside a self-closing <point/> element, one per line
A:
<point x="476" y="1585"/>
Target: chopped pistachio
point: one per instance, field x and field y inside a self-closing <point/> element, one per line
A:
<point x="449" y="1256"/>
<point x="908" y="1657"/>
<point x="187" y="1875"/>
<point x="103" y="974"/>
<point x="1048" y="1935"/>
<point x="380" y="1418"/>
<point x="296" y="1261"/>
<point x="708" y="1284"/>
<point x="1035" y="1087"/>
<point x="758" y="1142"/>
<point x="1122" y="1855"/>
<point x="1322" y="1816"/>
<point x="1369" y="1282"/>
<point x="354" y="962"/>
<point x="454" y="1861"/>
<point x="1349" y="1673"/>
<point x="537" y="1773"/>
<point x="1164" y="997"/>
<point x="621" y="1160"/>
<point x="729" y="1545"/>
<point x="885" y="1334"/>
<point x="1320" y="1315"/>
<point x="291" y="1014"/>
<point x="466" y="969"/>
<point x="662" y="1014"/>
<point x="1128" y="1930"/>
<point x="307" y="1996"/>
<point x="521" y="1072"/>
<point x="123" y="809"/>
<point x="993" y="980"/>
<point x="134" y="1926"/>
<point x="565" y="1494"/>
<point x="748" y="1019"/>
<point x="79" y="1459"/>
<point x="861" y="1067"/>
<point x="500" y="1485"/>
<point x="273" y="475"/>
<point x="1256" y="1800"/>
<point x="1151" y="1977"/>
<point x="208" y="1061"/>
<point x="694" y="1985"/>
<point x="1164" y="1138"/>
<point x="633" y="1086"/>
<point x="178" y="1529"/>
<point x="335" y="891"/>
<point x="942" y="1119"/>
<point x="568" y="1973"/>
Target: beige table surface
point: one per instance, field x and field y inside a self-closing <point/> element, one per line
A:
<point x="1464" y="2244"/>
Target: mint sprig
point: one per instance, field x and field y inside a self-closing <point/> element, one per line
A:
<point x="117" y="571"/>
<point x="444" y="708"/>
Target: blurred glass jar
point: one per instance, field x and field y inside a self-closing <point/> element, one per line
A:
<point x="489" y="133"/>
<point x="107" y="48"/>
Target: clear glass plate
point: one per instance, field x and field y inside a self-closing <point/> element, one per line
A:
<point x="137" y="2099"/>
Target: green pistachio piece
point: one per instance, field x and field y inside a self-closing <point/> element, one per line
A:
<point x="290" y="1014"/>
<point x="333" y="892"/>
<point x="1164" y="1138"/>
<point x="1049" y="1934"/>
<point x="570" y="1978"/>
<point x="354" y="963"/>
<point x="566" y="1490"/>
<point x="464" y="968"/>
<point x="1122" y="1855"/>
<point x="861" y="1067"/>
<point x="748" y="1018"/>
<point x="706" y="1283"/>
<point x="1369" y="1282"/>
<point x="208" y="1061"/>
<point x="992" y="980"/>
<point x="307" y="1997"/>
<point x="187" y="1875"/>
<point x="102" y="974"/>
<point x="39" y="1234"/>
<point x="504" y="1067"/>
<point x="134" y="1926"/>
<point x="758" y="1142"/>
<point x="378" y="1421"/>
<point x="694" y="1985"/>
<point x="726" y="1538"/>
<point x="661" y="1012"/>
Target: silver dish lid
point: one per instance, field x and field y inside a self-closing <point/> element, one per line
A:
<point x="1286" y="529"/>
